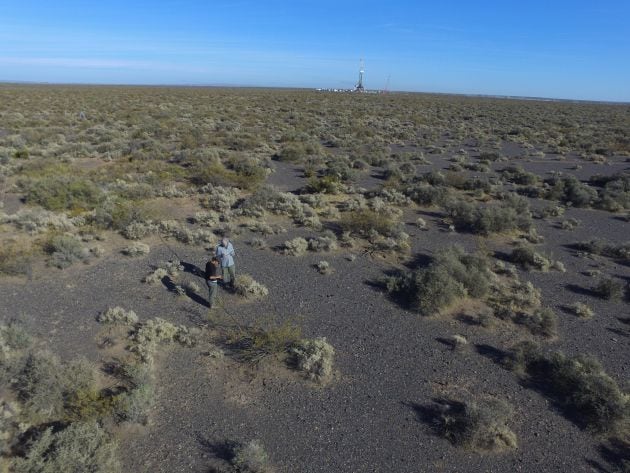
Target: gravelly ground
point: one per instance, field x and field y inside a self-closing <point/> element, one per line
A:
<point x="387" y="359"/>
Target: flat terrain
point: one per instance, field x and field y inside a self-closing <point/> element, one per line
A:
<point x="178" y="168"/>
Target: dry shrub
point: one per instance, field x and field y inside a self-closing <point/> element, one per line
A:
<point x="246" y="286"/>
<point x="314" y="358"/>
<point x="479" y="425"/>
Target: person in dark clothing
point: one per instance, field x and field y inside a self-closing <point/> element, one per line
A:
<point x="213" y="274"/>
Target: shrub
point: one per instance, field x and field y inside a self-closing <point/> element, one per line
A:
<point x="250" y="458"/>
<point x="480" y="425"/>
<point x="457" y="342"/>
<point x="295" y="247"/>
<point x="148" y="336"/>
<point x="246" y="286"/>
<point x="326" y="242"/>
<point x="156" y="276"/>
<point x="451" y="275"/>
<point x="570" y="190"/>
<point x="118" y="316"/>
<point x="363" y="222"/>
<point x="324" y="267"/>
<point x="608" y="288"/>
<point x="255" y="343"/>
<point x="136" y="249"/>
<point x="45" y="385"/>
<point x="542" y="321"/>
<point x="15" y="259"/>
<point x="528" y="258"/>
<point x="65" y="250"/>
<point x="314" y="358"/>
<point x="578" y="384"/>
<point x="79" y="447"/>
<point x="581" y="310"/>
<point x="513" y="214"/>
<point x="61" y="193"/>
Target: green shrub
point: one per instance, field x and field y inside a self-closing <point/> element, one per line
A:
<point x="63" y="193"/>
<point x="578" y="384"/>
<point x="512" y="214"/>
<point x="65" y="250"/>
<point x="451" y="275"/>
<point x="542" y="321"/>
<point x="362" y="222"/>
<point x="608" y="288"/>
<point x="528" y="258"/>
<point x="80" y="447"/>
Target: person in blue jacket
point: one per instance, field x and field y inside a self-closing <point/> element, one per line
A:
<point x="225" y="253"/>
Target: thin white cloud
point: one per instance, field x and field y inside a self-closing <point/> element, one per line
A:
<point x="74" y="62"/>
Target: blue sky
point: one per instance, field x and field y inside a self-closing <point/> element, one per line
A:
<point x="578" y="49"/>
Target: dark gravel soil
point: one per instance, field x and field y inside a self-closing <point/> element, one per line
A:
<point x="388" y="361"/>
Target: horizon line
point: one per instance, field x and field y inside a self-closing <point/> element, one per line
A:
<point x="321" y="89"/>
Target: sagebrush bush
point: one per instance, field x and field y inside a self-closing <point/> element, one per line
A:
<point x="581" y="310"/>
<point x="528" y="258"/>
<point x="118" y="315"/>
<point x="476" y="424"/>
<point x="136" y="249"/>
<point x="250" y="457"/>
<point x="314" y="357"/>
<point x="608" y="288"/>
<point x="511" y="214"/>
<point x="579" y="384"/>
<point x="79" y="447"/>
<point x="246" y="286"/>
<point x="65" y="250"/>
<point x="451" y="275"/>
<point x="362" y="222"/>
<point x="295" y="247"/>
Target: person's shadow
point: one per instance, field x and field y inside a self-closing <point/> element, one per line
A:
<point x="193" y="269"/>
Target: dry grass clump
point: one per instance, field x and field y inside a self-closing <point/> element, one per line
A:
<point x="478" y="425"/>
<point x="578" y="384"/>
<point x="136" y="249"/>
<point x="314" y="358"/>
<point x="255" y="343"/>
<point x="581" y="310"/>
<point x="15" y="258"/>
<point x="452" y="275"/>
<point x="247" y="287"/>
<point x="457" y="342"/>
<point x="118" y="316"/>
<point x="156" y="276"/>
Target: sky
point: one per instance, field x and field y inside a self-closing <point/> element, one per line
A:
<point x="554" y="48"/>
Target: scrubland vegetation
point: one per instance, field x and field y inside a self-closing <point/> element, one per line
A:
<point x="471" y="216"/>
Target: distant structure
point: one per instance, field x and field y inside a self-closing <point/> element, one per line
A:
<point x="386" y="89"/>
<point x="359" y="87"/>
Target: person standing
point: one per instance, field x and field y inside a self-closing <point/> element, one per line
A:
<point x="213" y="274"/>
<point x="225" y="253"/>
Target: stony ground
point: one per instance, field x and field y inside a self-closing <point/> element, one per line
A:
<point x="389" y="362"/>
